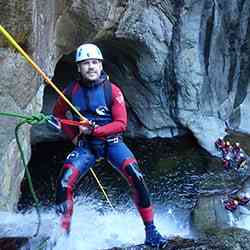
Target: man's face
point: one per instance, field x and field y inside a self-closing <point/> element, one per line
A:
<point x="90" y="69"/>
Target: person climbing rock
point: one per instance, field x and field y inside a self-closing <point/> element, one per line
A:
<point x="233" y="202"/>
<point x="102" y="103"/>
<point x="221" y="146"/>
<point x="220" y="143"/>
<point x="227" y="155"/>
<point x="239" y="156"/>
<point x="227" y="149"/>
<point x="232" y="155"/>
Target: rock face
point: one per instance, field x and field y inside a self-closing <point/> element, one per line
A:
<point x="210" y="73"/>
<point x="183" y="65"/>
<point x="210" y="213"/>
<point x="20" y="87"/>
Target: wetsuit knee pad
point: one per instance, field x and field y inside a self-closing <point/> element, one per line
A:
<point x="136" y="177"/>
<point x="66" y="182"/>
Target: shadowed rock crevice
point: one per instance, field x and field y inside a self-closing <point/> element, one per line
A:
<point x="208" y="37"/>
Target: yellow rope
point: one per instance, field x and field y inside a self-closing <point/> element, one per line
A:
<point x="38" y="69"/>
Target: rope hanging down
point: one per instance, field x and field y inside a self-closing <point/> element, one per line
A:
<point x="44" y="76"/>
<point x="35" y="119"/>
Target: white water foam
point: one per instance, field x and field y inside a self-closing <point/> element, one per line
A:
<point x="242" y="218"/>
<point x="93" y="230"/>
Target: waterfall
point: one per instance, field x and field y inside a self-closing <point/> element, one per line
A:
<point x="94" y="227"/>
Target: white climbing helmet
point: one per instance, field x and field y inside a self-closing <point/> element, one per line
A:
<point x="88" y="51"/>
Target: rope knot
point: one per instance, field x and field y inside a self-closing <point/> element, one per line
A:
<point x="37" y="119"/>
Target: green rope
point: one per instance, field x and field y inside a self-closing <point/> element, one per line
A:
<point x="34" y="119"/>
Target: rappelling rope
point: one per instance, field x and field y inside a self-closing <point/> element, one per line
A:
<point x="34" y="119"/>
<point x="44" y="76"/>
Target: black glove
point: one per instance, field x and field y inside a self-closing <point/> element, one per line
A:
<point x="88" y="130"/>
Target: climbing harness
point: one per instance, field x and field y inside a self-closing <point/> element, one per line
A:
<point x="44" y="76"/>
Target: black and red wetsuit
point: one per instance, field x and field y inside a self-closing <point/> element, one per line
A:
<point x="104" y="142"/>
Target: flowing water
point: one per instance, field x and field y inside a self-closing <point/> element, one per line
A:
<point x="173" y="171"/>
<point x="93" y="228"/>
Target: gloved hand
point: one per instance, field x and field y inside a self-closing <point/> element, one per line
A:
<point x="87" y="130"/>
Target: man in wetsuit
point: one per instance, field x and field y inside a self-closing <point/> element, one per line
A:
<point x="102" y="103"/>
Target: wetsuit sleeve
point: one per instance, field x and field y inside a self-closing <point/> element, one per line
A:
<point x="60" y="109"/>
<point x="119" y="116"/>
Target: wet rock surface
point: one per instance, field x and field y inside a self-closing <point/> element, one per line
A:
<point x="12" y="243"/>
<point x="227" y="239"/>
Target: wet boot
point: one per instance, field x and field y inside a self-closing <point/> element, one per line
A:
<point x="153" y="237"/>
